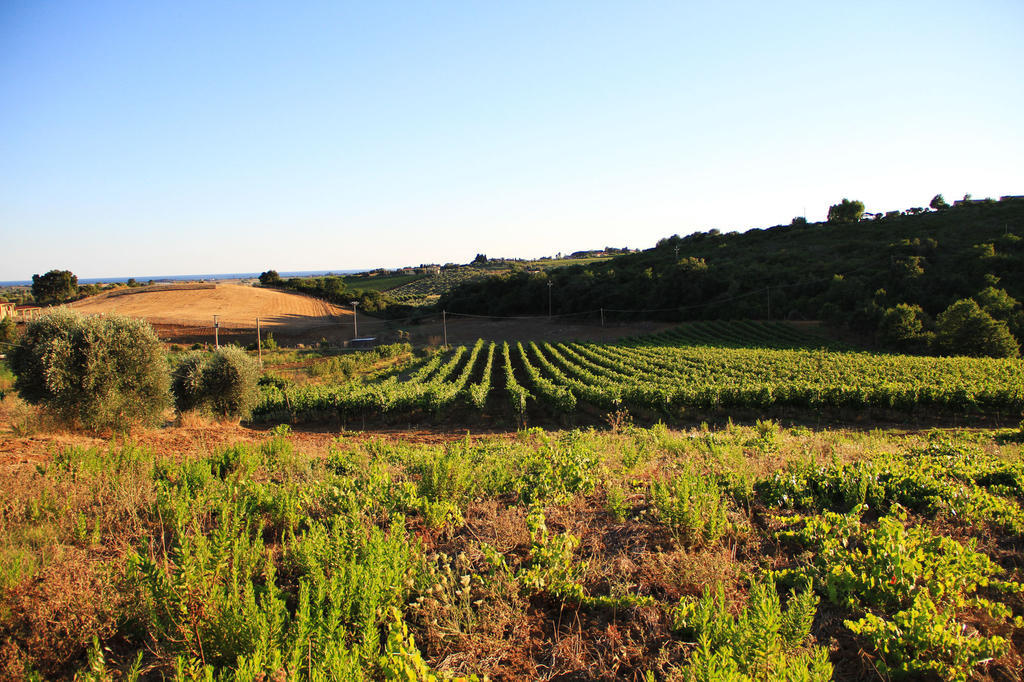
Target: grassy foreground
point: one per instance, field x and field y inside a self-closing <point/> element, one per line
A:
<point x="746" y="552"/>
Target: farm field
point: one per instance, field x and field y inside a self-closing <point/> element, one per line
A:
<point x="381" y="283"/>
<point x="426" y="290"/>
<point x="627" y="553"/>
<point x="237" y="306"/>
<point x="702" y="530"/>
<point x="686" y="372"/>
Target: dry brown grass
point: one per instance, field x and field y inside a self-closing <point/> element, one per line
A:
<point x="51" y="619"/>
<point x="237" y="306"/>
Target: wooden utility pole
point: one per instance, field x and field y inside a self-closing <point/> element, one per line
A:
<point x="550" y="284"/>
<point x="444" y="326"/>
<point x="602" y="317"/>
<point x="355" y="323"/>
<point x="769" y="290"/>
<point x="259" y="343"/>
<point x="216" y="335"/>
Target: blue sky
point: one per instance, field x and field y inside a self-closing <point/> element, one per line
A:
<point x="193" y="137"/>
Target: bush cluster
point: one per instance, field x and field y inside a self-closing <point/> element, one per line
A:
<point x="111" y="372"/>
<point x="223" y="382"/>
<point x="99" y="371"/>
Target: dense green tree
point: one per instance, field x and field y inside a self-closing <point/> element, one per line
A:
<point x="846" y="211"/>
<point x="997" y="302"/>
<point x="902" y="326"/>
<point x="97" y="371"/>
<point x="938" y="203"/>
<point x="965" y="329"/>
<point x="270" y="278"/>
<point x="56" y="286"/>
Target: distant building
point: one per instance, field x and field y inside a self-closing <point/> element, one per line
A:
<point x="6" y="309"/>
<point x="24" y="313"/>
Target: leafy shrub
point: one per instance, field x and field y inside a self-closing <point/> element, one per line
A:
<point x="913" y="587"/>
<point x="229" y="382"/>
<point x="557" y="471"/>
<point x="941" y="479"/>
<point x="223" y="382"/>
<point x="97" y="371"/>
<point x="187" y="382"/>
<point x="8" y="331"/>
<point x="692" y="506"/>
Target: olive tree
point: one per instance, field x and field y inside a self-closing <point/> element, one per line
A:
<point x="96" y="371"/>
<point x="223" y="382"/>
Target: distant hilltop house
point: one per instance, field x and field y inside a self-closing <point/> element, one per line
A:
<point x="6" y="309"/>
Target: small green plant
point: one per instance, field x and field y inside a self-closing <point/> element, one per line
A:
<point x="767" y="432"/>
<point x="556" y="471"/>
<point x="618" y="506"/>
<point x="402" y="660"/>
<point x="762" y="642"/>
<point x="692" y="506"/>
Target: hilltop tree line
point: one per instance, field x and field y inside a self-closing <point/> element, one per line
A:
<point x="333" y="289"/>
<point x="59" y="286"/>
<point x="907" y="279"/>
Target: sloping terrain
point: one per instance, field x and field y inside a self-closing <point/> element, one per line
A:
<point x="237" y="307"/>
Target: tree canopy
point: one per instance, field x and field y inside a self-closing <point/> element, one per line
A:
<point x="98" y="371"/>
<point x="846" y="211"/>
<point x="965" y="329"/>
<point x="269" y="278"/>
<point x="56" y="286"/>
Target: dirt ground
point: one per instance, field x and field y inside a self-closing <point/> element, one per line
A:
<point x="27" y="439"/>
<point x="236" y="305"/>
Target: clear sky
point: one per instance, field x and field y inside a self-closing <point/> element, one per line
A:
<point x="151" y="138"/>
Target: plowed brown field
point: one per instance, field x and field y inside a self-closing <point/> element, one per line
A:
<point x="237" y="307"/>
